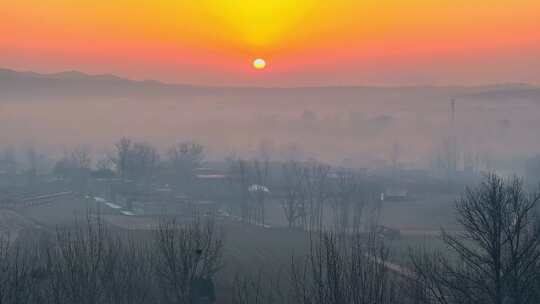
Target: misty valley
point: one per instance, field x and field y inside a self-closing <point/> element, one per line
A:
<point x="121" y="191"/>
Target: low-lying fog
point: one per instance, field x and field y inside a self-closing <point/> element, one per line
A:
<point x="352" y="126"/>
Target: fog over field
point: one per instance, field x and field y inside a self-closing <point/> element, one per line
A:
<point x="356" y="126"/>
<point x="117" y="191"/>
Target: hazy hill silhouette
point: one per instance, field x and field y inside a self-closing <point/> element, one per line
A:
<point x="74" y="84"/>
<point x="15" y="85"/>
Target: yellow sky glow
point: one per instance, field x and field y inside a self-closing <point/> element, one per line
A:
<point x="225" y="35"/>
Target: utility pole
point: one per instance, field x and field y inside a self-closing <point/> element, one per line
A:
<point x="453" y="157"/>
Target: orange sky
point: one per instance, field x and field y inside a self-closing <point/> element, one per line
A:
<point x="306" y="42"/>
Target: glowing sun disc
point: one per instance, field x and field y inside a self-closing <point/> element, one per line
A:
<point x="259" y="64"/>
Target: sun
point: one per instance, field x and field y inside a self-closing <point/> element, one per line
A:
<point x="259" y="64"/>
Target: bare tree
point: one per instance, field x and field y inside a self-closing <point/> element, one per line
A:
<point x="247" y="290"/>
<point x="86" y="263"/>
<point x="316" y="189"/>
<point x="104" y="163"/>
<point x="185" y="255"/>
<point x="144" y="160"/>
<point x="259" y="189"/>
<point x="135" y="161"/>
<point x="184" y="158"/>
<point x="344" y="269"/>
<point x="307" y="190"/>
<point x="126" y="277"/>
<point x="80" y="162"/>
<point x="18" y="276"/>
<point x="75" y="167"/>
<point x="11" y="165"/>
<point x="240" y="177"/>
<point x="121" y="158"/>
<point x="76" y="263"/>
<point x="33" y="159"/>
<point x="293" y="200"/>
<point x="347" y="201"/>
<point x="497" y="256"/>
<point x="81" y="158"/>
<point x="262" y="288"/>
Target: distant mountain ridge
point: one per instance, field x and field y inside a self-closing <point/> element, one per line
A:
<point x="30" y="85"/>
<point x="74" y="84"/>
<point x="69" y="75"/>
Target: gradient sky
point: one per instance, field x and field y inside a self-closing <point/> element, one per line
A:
<point x="306" y="42"/>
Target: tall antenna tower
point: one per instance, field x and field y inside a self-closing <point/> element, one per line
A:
<point x="453" y="113"/>
<point x="452" y="140"/>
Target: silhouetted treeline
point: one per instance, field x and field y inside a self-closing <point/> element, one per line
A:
<point x="89" y="263"/>
<point x="494" y="260"/>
